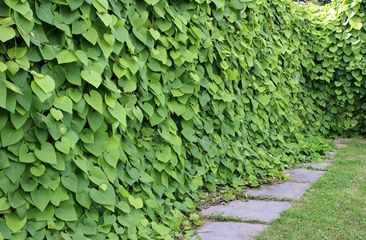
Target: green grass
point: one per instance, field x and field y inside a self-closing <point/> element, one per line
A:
<point x="334" y="208"/>
<point x="222" y="218"/>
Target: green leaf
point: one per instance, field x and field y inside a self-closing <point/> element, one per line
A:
<point x="11" y="99"/>
<point x="2" y="95"/>
<point x="13" y="67"/>
<point x="138" y="113"/>
<point x="13" y="87"/>
<point x="148" y="108"/>
<point x="63" y="146"/>
<point x="15" y="171"/>
<point x="151" y="2"/>
<point x="106" y="197"/>
<point x="155" y="34"/>
<point x="123" y="206"/>
<point x="97" y="176"/>
<point x="4" y="160"/>
<point x="95" y="100"/>
<point x="46" y="83"/>
<point x="74" y="4"/>
<point x="145" y="178"/>
<point x="14" y="222"/>
<point x="189" y="133"/>
<point x="161" y="229"/>
<point x="91" y="77"/>
<point x="132" y="63"/>
<point x="3" y="67"/>
<point x="48" y="52"/>
<point x="56" y="114"/>
<point x="119" y="113"/>
<point x="165" y="154"/>
<point x="73" y="74"/>
<point x="121" y="34"/>
<point x="46" y="153"/>
<point x="356" y="23"/>
<point x="10" y="136"/>
<point x="82" y="56"/>
<point x="101" y="5"/>
<point x="95" y="120"/>
<point x="82" y="163"/>
<point x="24" y="26"/>
<point x="3" y="120"/>
<point x="40" y="198"/>
<point x="64" y="103"/>
<point x="38" y="170"/>
<point x="89" y="227"/>
<point x="128" y="84"/>
<point x="70" y="181"/>
<point x="66" y="211"/>
<point x="219" y="3"/>
<point x="7" y="33"/>
<point x="106" y="18"/>
<point x="91" y="35"/>
<point x="84" y="199"/>
<point x="133" y="173"/>
<point x="42" y="96"/>
<point x="136" y="202"/>
<point x="142" y="35"/>
<point x="177" y="107"/>
<point x="4" y="204"/>
<point x="196" y="183"/>
<point x="24" y="156"/>
<point x="66" y="56"/>
<point x="44" y="12"/>
<point x="263" y="99"/>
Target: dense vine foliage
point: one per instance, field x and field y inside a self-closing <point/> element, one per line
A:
<point x="116" y="115"/>
<point x="336" y="77"/>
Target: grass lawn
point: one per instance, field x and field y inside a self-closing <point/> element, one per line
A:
<point x="334" y="208"/>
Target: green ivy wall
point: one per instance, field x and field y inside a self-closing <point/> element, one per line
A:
<point x="116" y="115"/>
<point x="336" y="76"/>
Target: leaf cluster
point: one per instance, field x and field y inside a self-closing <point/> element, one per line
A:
<point x="116" y="115"/>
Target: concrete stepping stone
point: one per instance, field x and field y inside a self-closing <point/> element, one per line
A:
<point x="264" y="211"/>
<point x="341" y="145"/>
<point x="319" y="166"/>
<point x="341" y="142"/>
<point x="229" y="231"/>
<point x="283" y="191"/>
<point x="332" y="155"/>
<point x="304" y="175"/>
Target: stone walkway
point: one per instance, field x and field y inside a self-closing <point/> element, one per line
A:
<point x="243" y="220"/>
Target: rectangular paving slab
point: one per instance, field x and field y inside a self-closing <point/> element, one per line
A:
<point x="304" y="175"/>
<point x="319" y="166"/>
<point x="341" y="145"/>
<point x="229" y="231"/>
<point x="341" y="142"/>
<point x="264" y="211"/>
<point x="286" y="190"/>
<point x="331" y="155"/>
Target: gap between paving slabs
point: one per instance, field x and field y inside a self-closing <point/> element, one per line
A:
<point x="243" y="220"/>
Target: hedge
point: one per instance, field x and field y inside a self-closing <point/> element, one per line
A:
<point x="115" y="116"/>
<point x="336" y="77"/>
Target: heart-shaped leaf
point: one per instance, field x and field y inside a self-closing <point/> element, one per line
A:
<point x="136" y="202"/>
<point x="10" y="136"/>
<point x="91" y="77"/>
<point x="41" y="198"/>
<point x="106" y="197"/>
<point x="46" y="153"/>
<point x="95" y="100"/>
<point x="155" y="34"/>
<point x="66" y="211"/>
<point x="14" y="222"/>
